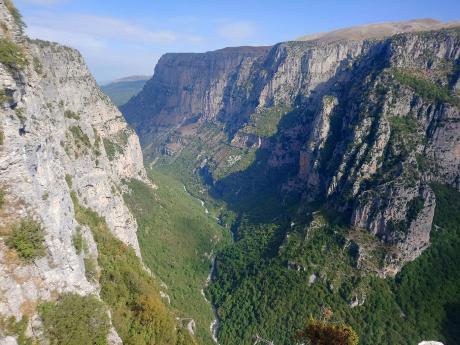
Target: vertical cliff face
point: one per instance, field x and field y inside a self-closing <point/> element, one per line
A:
<point x="187" y="86"/>
<point x="362" y="125"/>
<point x="59" y="133"/>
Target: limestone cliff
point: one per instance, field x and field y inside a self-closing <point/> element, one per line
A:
<point x="59" y="133"/>
<point x="364" y="126"/>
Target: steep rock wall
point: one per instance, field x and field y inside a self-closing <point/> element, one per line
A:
<point x="60" y="133"/>
<point x="364" y="126"/>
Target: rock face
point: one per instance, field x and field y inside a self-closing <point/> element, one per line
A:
<point x="60" y="132"/>
<point x="187" y="86"/>
<point x="362" y="125"/>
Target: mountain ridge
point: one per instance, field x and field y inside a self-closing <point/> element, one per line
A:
<point x="379" y="30"/>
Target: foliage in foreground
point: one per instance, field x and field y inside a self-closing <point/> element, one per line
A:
<point x="138" y="313"/>
<point x="324" y="333"/>
<point x="27" y="239"/>
<point x="75" y="320"/>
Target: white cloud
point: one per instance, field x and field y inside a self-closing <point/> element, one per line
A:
<point x="103" y="28"/>
<point x="237" y="31"/>
<point x="74" y="39"/>
<point x="111" y="46"/>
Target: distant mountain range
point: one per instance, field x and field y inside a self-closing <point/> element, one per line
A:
<point x="379" y="30"/>
<point x="121" y="90"/>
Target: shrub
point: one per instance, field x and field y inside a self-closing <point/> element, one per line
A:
<point x="80" y="137"/>
<point x="4" y="98"/>
<point x="75" y="320"/>
<point x="71" y="115"/>
<point x="111" y="148"/>
<point x="20" y="113"/>
<point x="2" y="197"/>
<point x="28" y="240"/>
<point x="12" y="55"/>
<point x="78" y="241"/>
<point x="38" y="66"/>
<point x="14" y="328"/>
<point x="68" y="180"/>
<point x="16" y="14"/>
<point x="90" y="269"/>
<point x="324" y="333"/>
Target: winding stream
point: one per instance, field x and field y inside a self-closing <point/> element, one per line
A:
<point x="214" y="326"/>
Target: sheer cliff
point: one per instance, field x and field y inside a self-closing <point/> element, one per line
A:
<point x="66" y="154"/>
<point x="360" y="125"/>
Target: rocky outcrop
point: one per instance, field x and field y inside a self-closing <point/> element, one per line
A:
<point x="60" y="133"/>
<point x="362" y="125"/>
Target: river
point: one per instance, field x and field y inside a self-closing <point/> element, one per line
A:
<point x="214" y="326"/>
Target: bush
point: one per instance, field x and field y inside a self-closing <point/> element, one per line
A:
<point x="138" y="313"/>
<point x="80" y="137"/>
<point x="4" y="98"/>
<point x="12" y="327"/>
<point x="90" y="269"/>
<point x="71" y="115"/>
<point x="27" y="239"/>
<point x="324" y="333"/>
<point x="12" y="55"/>
<point x="68" y="180"/>
<point x="78" y="241"/>
<point x="2" y="197"/>
<point x="111" y="148"/>
<point x="16" y="14"/>
<point x="75" y="320"/>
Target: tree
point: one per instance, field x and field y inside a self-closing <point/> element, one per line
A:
<point x="325" y="333"/>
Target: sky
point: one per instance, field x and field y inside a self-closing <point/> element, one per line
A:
<point x="124" y="38"/>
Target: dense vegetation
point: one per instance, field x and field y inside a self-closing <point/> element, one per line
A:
<point x="265" y="122"/>
<point x="27" y="239"/>
<point x="177" y="239"/>
<point x="75" y="320"/>
<point x="425" y="88"/>
<point x="319" y="332"/>
<point x="275" y="277"/>
<point x="12" y="55"/>
<point x="138" y="313"/>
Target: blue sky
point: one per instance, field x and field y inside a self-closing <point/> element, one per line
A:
<point x="121" y="38"/>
